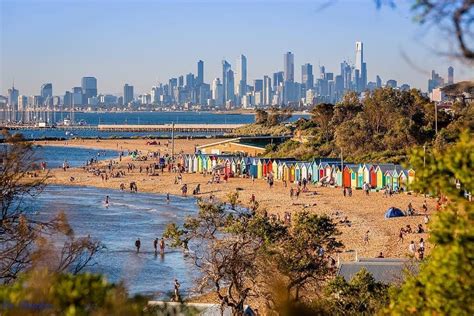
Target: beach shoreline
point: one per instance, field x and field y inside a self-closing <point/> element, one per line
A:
<point x="363" y="212"/>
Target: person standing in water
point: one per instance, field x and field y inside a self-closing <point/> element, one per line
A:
<point x="162" y="245"/>
<point x="155" y="245"/>
<point x="177" y="298"/>
<point x="168" y="198"/>
<point x="107" y="201"/>
<point x="138" y="243"/>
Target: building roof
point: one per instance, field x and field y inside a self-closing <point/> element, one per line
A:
<point x="385" y="270"/>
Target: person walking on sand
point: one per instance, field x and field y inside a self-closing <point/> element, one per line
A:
<point x="138" y="243"/>
<point x="366" y="238"/>
<point x="412" y="248"/>
<point x="425" y="206"/>
<point x="400" y="235"/>
<point x="291" y="193"/>
<point x="155" y="245"/>
<point x="162" y="245"/>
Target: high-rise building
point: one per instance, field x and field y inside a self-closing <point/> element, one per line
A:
<point x="278" y="78"/>
<point x="217" y="92"/>
<point x="181" y="81"/>
<point x="227" y="81"/>
<point x="391" y="83"/>
<point x="241" y="76"/>
<point x="360" y="65"/>
<point x="200" y="76"/>
<point x="46" y="91"/>
<point x="307" y="78"/>
<point x="190" y="84"/>
<point x="289" y="63"/>
<point x="13" y="96"/>
<point x="22" y="102"/>
<point x="378" y="82"/>
<point x="77" y="96"/>
<point x="89" y="87"/>
<point x="258" y="85"/>
<point x="267" y="90"/>
<point x="128" y="94"/>
<point x="436" y="81"/>
<point x="450" y="75"/>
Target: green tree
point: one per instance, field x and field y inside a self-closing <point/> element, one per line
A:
<point x="304" y="255"/>
<point x="361" y="295"/>
<point x="322" y="116"/>
<point x="41" y="292"/>
<point x="23" y="241"/>
<point x="445" y="282"/>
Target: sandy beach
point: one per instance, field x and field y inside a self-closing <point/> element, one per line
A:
<point x="365" y="213"/>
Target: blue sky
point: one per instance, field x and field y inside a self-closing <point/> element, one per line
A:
<point x="147" y="42"/>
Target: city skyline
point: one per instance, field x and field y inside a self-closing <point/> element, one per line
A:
<point x="61" y="59"/>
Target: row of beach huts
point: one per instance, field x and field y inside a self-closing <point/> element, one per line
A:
<point x="325" y="170"/>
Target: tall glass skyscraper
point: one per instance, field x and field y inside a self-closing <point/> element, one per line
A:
<point x="241" y="75"/>
<point x="127" y="94"/>
<point x="89" y="87"/>
<point x="307" y="77"/>
<point x="289" y="63"/>
<point x="227" y="81"/>
<point x="46" y="91"/>
<point x="200" y="76"/>
<point x="360" y="65"/>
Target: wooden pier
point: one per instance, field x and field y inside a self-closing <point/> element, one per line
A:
<point x="225" y="128"/>
<point x="218" y="128"/>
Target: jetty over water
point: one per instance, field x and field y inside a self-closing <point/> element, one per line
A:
<point x="170" y="127"/>
<point x="222" y="128"/>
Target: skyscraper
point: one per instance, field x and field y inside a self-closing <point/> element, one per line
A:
<point x="13" y="96"/>
<point x="227" y="81"/>
<point x="278" y="78"/>
<point x="378" y="82"/>
<point x="46" y="91"/>
<point x="267" y="90"/>
<point x="289" y="63"/>
<point x="127" y="94"/>
<point x="217" y="92"/>
<point x="200" y="76"/>
<point x="89" y="87"/>
<point x="360" y="65"/>
<point x="450" y="75"/>
<point x="307" y="77"/>
<point x="241" y="76"/>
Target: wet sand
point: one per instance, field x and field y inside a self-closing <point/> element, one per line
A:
<point x="364" y="212"/>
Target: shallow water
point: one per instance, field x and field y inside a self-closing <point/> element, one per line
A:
<point x="54" y="156"/>
<point x="128" y="217"/>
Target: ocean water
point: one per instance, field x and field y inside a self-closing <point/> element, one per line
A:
<point x="89" y="118"/>
<point x="128" y="217"/>
<point x="54" y="156"/>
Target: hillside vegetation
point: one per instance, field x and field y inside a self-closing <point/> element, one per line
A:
<point x="382" y="127"/>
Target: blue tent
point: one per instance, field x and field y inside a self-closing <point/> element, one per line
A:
<point x="393" y="212"/>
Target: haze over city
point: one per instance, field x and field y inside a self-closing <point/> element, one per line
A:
<point x="144" y="43"/>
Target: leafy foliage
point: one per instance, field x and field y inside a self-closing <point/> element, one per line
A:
<point x="41" y="292"/>
<point x="237" y="252"/>
<point x="445" y="283"/>
<point x="361" y="295"/>
<point x="384" y="126"/>
<point x="23" y="238"/>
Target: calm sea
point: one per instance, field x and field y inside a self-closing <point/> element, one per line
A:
<point x="142" y="118"/>
<point x="128" y="217"/>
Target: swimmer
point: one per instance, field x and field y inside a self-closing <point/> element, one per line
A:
<point x="107" y="201"/>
